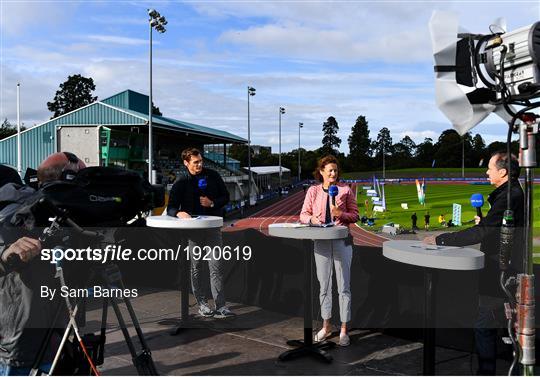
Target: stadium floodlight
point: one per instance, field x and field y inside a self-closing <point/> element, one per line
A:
<point x="155" y="21"/>
<point x="300" y="125"/>
<point x="281" y="112"/>
<point x="250" y="93"/>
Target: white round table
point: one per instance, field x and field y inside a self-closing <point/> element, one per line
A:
<point x="431" y="258"/>
<point x="184" y="226"/>
<point x="308" y="234"/>
<point x="197" y="222"/>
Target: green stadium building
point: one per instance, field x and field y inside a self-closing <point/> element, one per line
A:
<point x="114" y="132"/>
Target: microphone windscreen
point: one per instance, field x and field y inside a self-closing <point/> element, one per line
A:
<point x="333" y="191"/>
<point x="477" y="200"/>
<point x="202" y="183"/>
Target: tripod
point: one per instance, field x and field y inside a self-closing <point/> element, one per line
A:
<point x="109" y="277"/>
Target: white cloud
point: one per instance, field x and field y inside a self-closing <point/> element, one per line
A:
<point x="18" y="17"/>
<point x="280" y="48"/>
<point x="419" y="136"/>
<point x="331" y="45"/>
<point x="112" y="39"/>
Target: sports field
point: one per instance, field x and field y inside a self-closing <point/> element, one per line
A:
<point x="439" y="200"/>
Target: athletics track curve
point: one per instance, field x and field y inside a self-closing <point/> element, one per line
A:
<point x="287" y="210"/>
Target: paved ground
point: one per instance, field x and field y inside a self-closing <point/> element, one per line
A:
<point x="250" y="344"/>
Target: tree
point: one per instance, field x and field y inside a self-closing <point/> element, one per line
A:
<point x="74" y="93"/>
<point x="409" y="145"/>
<point x="359" y="145"/>
<point x="7" y="129"/>
<point x="478" y="149"/>
<point x="425" y="152"/>
<point x="448" y="149"/>
<point x="383" y="145"/>
<point x="498" y="146"/>
<point x="330" y="140"/>
<point x="239" y="152"/>
<point x="402" y="153"/>
<point x="155" y="110"/>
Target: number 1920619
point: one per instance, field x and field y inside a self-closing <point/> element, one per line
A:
<point x="218" y="253"/>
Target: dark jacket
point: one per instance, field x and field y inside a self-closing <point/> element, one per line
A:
<point x="488" y="234"/>
<point x="24" y="315"/>
<point x="185" y="194"/>
<point x="9" y="175"/>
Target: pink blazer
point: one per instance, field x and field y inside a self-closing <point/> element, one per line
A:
<point x="315" y="204"/>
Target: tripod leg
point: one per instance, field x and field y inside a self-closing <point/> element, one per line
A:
<point x="62" y="343"/>
<point x="143" y="362"/>
<point x="100" y="358"/>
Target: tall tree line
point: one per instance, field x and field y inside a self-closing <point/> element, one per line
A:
<point x="367" y="153"/>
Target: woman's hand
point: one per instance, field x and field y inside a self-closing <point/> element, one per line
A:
<point x="183" y="215"/>
<point x="335" y="211"/>
<point x="430" y="240"/>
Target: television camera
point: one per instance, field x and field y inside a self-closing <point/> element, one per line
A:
<point x="88" y="209"/>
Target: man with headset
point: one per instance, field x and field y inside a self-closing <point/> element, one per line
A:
<point x="24" y="315"/>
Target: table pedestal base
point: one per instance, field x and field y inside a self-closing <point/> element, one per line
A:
<point x="185" y="319"/>
<point x="317" y="350"/>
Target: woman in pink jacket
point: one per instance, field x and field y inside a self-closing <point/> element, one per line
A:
<point x="319" y="209"/>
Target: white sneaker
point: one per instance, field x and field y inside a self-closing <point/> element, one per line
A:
<point x="223" y="312"/>
<point x="322" y="335"/>
<point x="344" y="339"/>
<point x="205" y="311"/>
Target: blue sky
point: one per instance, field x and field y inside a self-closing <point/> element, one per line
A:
<point x="315" y="58"/>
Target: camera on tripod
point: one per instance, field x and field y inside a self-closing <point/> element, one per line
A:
<point x="85" y="211"/>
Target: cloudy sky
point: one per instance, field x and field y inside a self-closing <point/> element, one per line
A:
<point x="315" y="58"/>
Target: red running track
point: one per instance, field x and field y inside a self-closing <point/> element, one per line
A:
<point x="288" y="209"/>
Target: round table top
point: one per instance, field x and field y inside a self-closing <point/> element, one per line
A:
<point x="306" y="232"/>
<point x="442" y="257"/>
<point x="198" y="222"/>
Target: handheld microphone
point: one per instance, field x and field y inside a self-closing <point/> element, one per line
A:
<point x="477" y="201"/>
<point x="202" y="184"/>
<point x="333" y="191"/>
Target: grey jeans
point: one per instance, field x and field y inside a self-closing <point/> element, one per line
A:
<point x="341" y="254"/>
<point x="203" y="238"/>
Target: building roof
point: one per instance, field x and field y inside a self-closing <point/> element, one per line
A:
<point x="137" y="104"/>
<point x="268" y="169"/>
<point x="127" y="108"/>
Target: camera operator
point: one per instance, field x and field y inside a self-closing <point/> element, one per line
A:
<point x="8" y="175"/>
<point x="487" y="232"/>
<point x="187" y="198"/>
<point x="24" y="315"/>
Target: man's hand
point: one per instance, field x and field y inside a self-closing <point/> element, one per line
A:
<point x="314" y="220"/>
<point x="430" y="240"/>
<point x="183" y="215"/>
<point x="26" y="248"/>
<point x="335" y="211"/>
<point x="477" y="220"/>
<point x="205" y="202"/>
